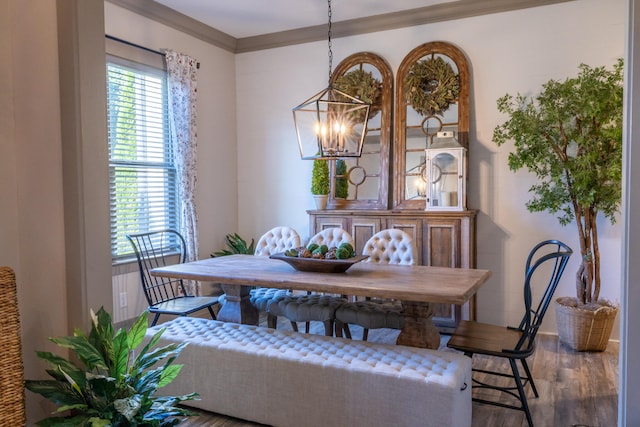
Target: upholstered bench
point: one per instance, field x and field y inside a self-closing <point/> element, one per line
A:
<point x="283" y="378"/>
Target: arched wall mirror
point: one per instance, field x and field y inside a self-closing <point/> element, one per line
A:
<point x="363" y="183"/>
<point x="432" y="99"/>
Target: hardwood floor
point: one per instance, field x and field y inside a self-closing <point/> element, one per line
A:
<point x="576" y="389"/>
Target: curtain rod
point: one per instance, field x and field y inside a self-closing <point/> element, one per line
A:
<point x="157" y="52"/>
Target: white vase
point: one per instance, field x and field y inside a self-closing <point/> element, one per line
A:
<point x="321" y="201"/>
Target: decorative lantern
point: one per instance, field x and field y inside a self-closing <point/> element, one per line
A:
<point x="445" y="174"/>
<point x="331" y="124"/>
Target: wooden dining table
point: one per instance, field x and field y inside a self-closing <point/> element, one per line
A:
<point x="417" y="287"/>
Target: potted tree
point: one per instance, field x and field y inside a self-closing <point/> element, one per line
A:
<point x="320" y="183"/>
<point x="570" y="137"/>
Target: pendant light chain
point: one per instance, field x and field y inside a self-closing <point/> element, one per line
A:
<point x="329" y="43"/>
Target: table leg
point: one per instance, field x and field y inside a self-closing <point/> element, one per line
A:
<point x="418" y="330"/>
<point x="237" y="307"/>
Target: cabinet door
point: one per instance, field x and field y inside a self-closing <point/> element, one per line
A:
<point x="411" y="226"/>
<point x="442" y="243"/>
<point x="362" y="228"/>
<point x="442" y="249"/>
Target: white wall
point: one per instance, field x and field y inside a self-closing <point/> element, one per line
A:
<point x="31" y="211"/>
<point x="508" y="53"/>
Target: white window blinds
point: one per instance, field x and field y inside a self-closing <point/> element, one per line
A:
<point x="141" y="168"/>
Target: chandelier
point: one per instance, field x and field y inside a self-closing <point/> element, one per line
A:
<point x="331" y="124"/>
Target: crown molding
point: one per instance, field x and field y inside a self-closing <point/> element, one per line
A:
<point x="169" y="17"/>
<point x="406" y="18"/>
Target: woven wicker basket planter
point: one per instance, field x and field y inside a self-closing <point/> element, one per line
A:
<point x="584" y="330"/>
<point x="12" y="406"/>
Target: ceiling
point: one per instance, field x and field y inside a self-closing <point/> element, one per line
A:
<point x="248" y="18"/>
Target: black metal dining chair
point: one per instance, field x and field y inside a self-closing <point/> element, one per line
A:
<point x="545" y="265"/>
<point x="164" y="295"/>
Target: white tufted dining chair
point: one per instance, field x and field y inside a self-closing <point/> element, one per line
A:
<point x="278" y="239"/>
<point x="390" y="246"/>
<point x="331" y="237"/>
<point x="313" y="307"/>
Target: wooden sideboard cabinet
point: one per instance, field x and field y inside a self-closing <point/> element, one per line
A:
<point x="444" y="239"/>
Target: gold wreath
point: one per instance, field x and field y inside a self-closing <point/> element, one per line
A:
<point x="362" y="85"/>
<point x="431" y="85"/>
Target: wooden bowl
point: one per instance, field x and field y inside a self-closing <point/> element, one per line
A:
<point x="319" y="265"/>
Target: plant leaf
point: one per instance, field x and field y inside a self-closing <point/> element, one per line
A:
<point x="137" y="363"/>
<point x="169" y="373"/>
<point x="148" y="360"/>
<point x="148" y="382"/>
<point x="86" y="352"/>
<point x="138" y="330"/>
<point x="79" y="407"/>
<point x="71" y="382"/>
<point x="129" y="406"/>
<point x="99" y="422"/>
<point x="120" y="355"/>
<point x="59" y="363"/>
<point x="60" y="393"/>
<point x="101" y="336"/>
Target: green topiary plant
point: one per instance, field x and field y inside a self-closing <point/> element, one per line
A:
<point x="342" y="184"/>
<point x="320" y="178"/>
<point x="115" y="383"/>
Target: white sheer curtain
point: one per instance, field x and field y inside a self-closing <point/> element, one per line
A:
<point x="182" y="85"/>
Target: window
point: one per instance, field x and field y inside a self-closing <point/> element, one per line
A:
<point x="142" y="175"/>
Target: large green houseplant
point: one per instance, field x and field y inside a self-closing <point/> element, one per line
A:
<point x="114" y="383"/>
<point x="570" y="137"/>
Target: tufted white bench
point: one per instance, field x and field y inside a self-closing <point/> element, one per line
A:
<point x="283" y="378"/>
